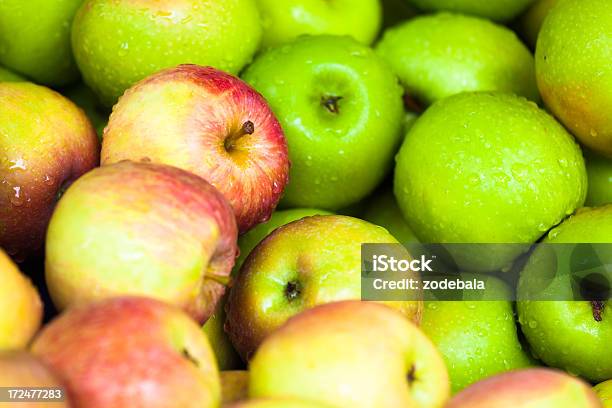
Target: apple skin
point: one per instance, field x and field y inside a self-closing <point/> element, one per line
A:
<point x="23" y="370"/>
<point x="141" y="229"/>
<point x="187" y="117"/>
<point x="35" y="38"/>
<point x="284" y="21"/>
<point x="383" y="210"/>
<point x="336" y="160"/>
<point x="227" y="358"/>
<point x="565" y="334"/>
<point x="292" y="270"/>
<point x="529" y="388"/>
<point x="10" y="76"/>
<point x="329" y="354"/>
<point x="573" y="69"/>
<point x="477" y="338"/>
<point x="499" y="10"/>
<point x="277" y="403"/>
<point x="604" y="392"/>
<point x="18" y="295"/>
<point x="439" y="55"/>
<point x="119" y="42"/>
<point x="130" y="352"/>
<point x="599" y="171"/>
<point x="234" y="385"/>
<point x="46" y="142"/>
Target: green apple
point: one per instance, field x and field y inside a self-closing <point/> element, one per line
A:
<point x="130" y="352"/>
<point x="225" y="354"/>
<point x="19" y="369"/>
<point x="498" y="10"/>
<point x="277" y="403"/>
<point x="604" y="392"/>
<point x="234" y="385"/>
<point x="341" y="109"/>
<point x="599" y="171"/>
<point x="141" y="229"/>
<point x="477" y="338"/>
<point x="35" y="38"/>
<point x="529" y="388"/>
<point x="284" y="21"/>
<point x="439" y="55"/>
<point x="84" y="97"/>
<point x="383" y="210"/>
<point x="119" y="42"/>
<point x="574" y="72"/>
<point x="20" y="297"/>
<point x="10" y="76"/>
<point x="46" y="142"/>
<point x="487" y="168"/>
<point x="350" y="354"/>
<point x="572" y="335"/>
<point x="306" y="263"/>
<point x="530" y="23"/>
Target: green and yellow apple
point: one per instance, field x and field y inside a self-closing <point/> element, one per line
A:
<point x="487" y="168"/>
<point x="277" y="403"/>
<point x="130" y="352"/>
<point x="570" y="334"/>
<point x="234" y="385"/>
<point x="573" y="69"/>
<point x="84" y="97"/>
<point x="35" y="38"/>
<point x="439" y="55"/>
<point x="305" y="263"/>
<point x="599" y="171"/>
<point x="142" y="229"/>
<point x="383" y="210"/>
<point x="530" y="23"/>
<point x="46" y="142"/>
<point x="19" y="370"/>
<point x="529" y="388"/>
<point x="210" y="123"/>
<point x="350" y="354"/>
<point x="341" y="109"/>
<point x="498" y="10"/>
<point x="119" y="42"/>
<point x="21" y="304"/>
<point x="604" y="392"/>
<point x="9" y="76"/>
<point x="284" y="21"/>
<point x="477" y="338"/>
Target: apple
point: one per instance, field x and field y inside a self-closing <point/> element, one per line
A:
<point x="444" y="54"/>
<point x="604" y="392"/>
<point x="499" y="10"/>
<point x="20" y="297"/>
<point x="530" y="23"/>
<point x="599" y="171"/>
<point x="130" y="352"/>
<point x="209" y="123"/>
<point x="305" y="263"/>
<point x="277" y="403"/>
<point x="340" y="106"/>
<point x="141" y="229"/>
<point x="573" y="69"/>
<point x="350" y="354"/>
<point x="286" y="20"/>
<point x="227" y="358"/>
<point x="9" y="76"/>
<point x="487" y="167"/>
<point x="120" y="42"/>
<point x="477" y="338"/>
<point x="84" y="97"/>
<point x="35" y="38"/>
<point x="19" y="369"/>
<point x="570" y="334"/>
<point x="529" y="388"/>
<point x="46" y="143"/>
<point x="234" y="385"/>
<point x="383" y="210"/>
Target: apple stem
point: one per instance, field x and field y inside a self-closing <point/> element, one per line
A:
<point x="411" y="375"/>
<point x="331" y="103"/>
<point x="292" y="290"/>
<point x="598" y="307"/>
<point x="247" y="128"/>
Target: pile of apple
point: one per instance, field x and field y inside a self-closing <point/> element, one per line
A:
<point x="171" y="279"/>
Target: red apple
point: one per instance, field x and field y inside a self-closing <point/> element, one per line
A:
<point x="210" y="123"/>
<point x="529" y="388"/>
<point x="141" y="229"/>
<point x="130" y="352"/>
<point x="46" y="142"/>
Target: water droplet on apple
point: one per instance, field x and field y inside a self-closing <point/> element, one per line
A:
<point x="533" y="324"/>
<point x="17" y="198"/>
<point x="18" y="164"/>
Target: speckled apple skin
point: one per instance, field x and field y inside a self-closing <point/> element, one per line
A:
<point x="145" y="229"/>
<point x="46" y="142"/>
<point x="182" y="117"/>
<point x="130" y="352"/>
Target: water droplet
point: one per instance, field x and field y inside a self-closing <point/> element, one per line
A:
<point x="533" y="324"/>
<point x="18" y="164"/>
<point x="17" y="199"/>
